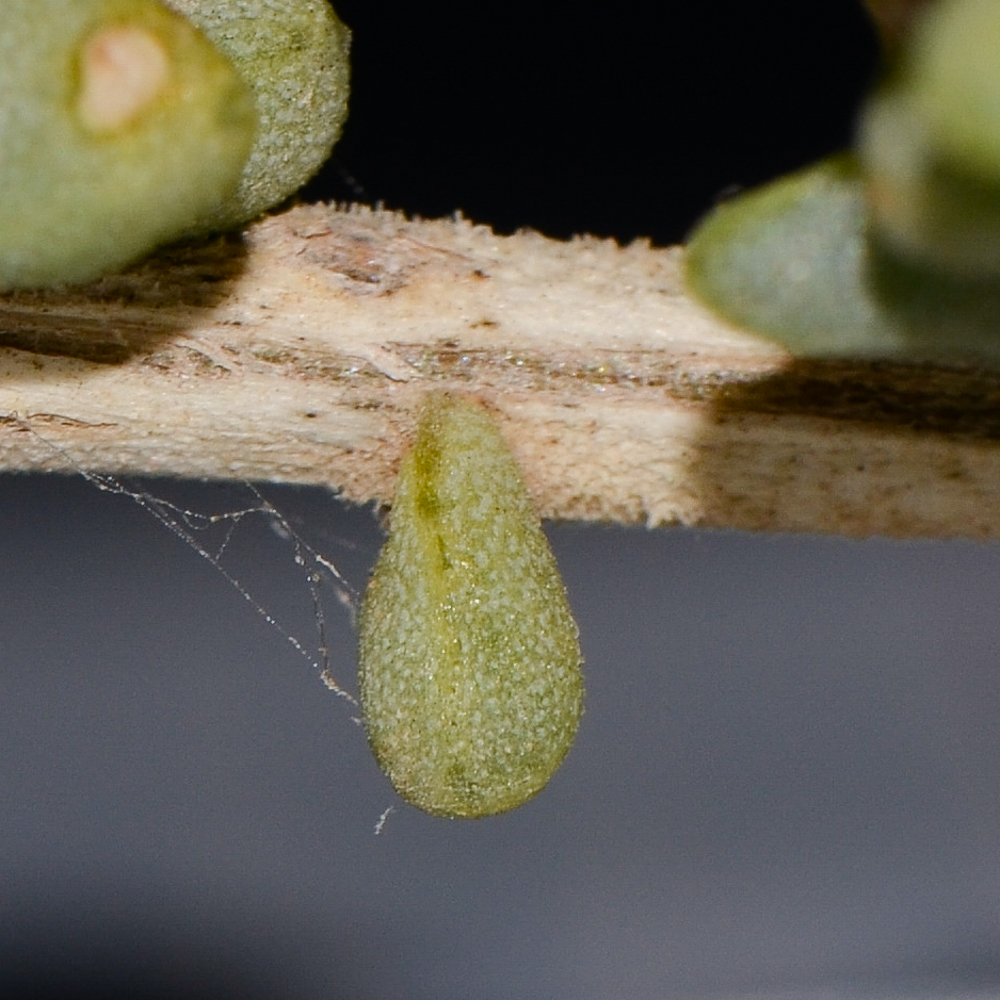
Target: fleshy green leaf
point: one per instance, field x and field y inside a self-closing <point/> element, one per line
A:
<point x="795" y="261"/>
<point x="121" y="127"/>
<point x="294" y="55"/>
<point x="895" y="254"/>
<point x="929" y="142"/>
<point x="470" y="666"/>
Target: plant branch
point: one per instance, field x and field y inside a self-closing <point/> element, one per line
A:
<point x="301" y="351"/>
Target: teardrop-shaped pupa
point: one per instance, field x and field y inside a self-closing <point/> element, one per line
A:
<point x="470" y="665"/>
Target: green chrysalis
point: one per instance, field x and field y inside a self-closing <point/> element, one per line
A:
<point x="121" y="127"/>
<point x="470" y="665"/>
<point x="294" y="55"/>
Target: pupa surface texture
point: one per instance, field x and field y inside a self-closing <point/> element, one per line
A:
<point x="470" y="665"/>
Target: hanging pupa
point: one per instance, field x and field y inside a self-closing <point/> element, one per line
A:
<point x="470" y="665"/>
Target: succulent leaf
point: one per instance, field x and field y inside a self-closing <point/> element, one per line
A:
<point x="294" y="56"/>
<point x="121" y="127"/>
<point x="894" y="253"/>
<point x="929" y="142"/>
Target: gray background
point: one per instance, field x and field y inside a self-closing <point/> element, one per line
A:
<point x="785" y="780"/>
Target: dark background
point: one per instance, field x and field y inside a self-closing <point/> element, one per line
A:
<point x="785" y="784"/>
<point x="622" y="119"/>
